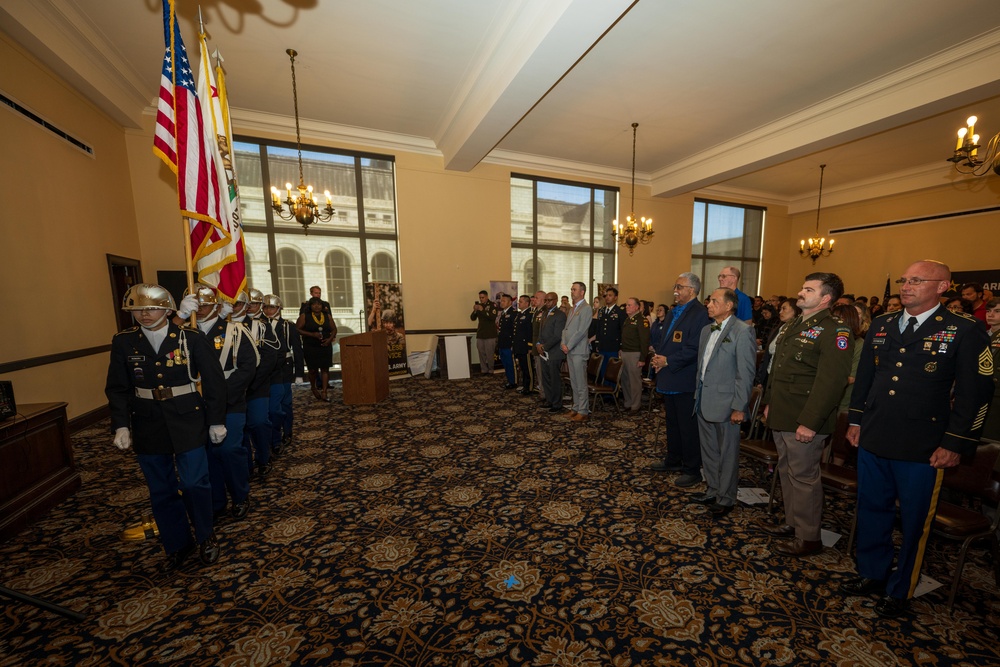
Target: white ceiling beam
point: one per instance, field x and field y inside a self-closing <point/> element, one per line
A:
<point x="924" y="88"/>
<point x="530" y="50"/>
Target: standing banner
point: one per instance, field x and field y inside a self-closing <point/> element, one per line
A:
<point x="498" y="287"/>
<point x="988" y="278"/>
<point x="384" y="305"/>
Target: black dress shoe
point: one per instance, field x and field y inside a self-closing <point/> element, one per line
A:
<point x="209" y="550"/>
<point x="703" y="499"/>
<point x="718" y="510"/>
<point x="890" y="607"/>
<point x="556" y="411"/>
<point x="684" y="481"/>
<point x="240" y="510"/>
<point x="176" y="560"/>
<point x="777" y="529"/>
<point x="863" y="586"/>
<point x="265" y="470"/>
<point x="510" y="386"/>
<point x="276" y="450"/>
<point x="799" y="548"/>
<point x="661" y="466"/>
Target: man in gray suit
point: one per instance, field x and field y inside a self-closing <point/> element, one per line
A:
<point x="727" y="355"/>
<point x="550" y="352"/>
<point x="575" y="347"/>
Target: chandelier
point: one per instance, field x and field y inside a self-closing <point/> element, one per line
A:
<point x="966" y="157"/>
<point x="817" y="247"/>
<point x="633" y="232"/>
<point x="303" y="208"/>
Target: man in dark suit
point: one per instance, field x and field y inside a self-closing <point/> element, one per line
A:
<point x="676" y="364"/>
<point x="727" y="355"/>
<point x="522" y="343"/>
<point x="920" y="398"/>
<point x="157" y="409"/>
<point x="505" y="338"/>
<point x="550" y="352"/>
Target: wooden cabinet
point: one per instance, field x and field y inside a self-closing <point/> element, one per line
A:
<point x="36" y="465"/>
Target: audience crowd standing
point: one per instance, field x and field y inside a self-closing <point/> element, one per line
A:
<point x="917" y="377"/>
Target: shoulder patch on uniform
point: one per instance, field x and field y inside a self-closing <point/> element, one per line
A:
<point x="125" y="331"/>
<point x="986" y="362"/>
<point x="966" y="316"/>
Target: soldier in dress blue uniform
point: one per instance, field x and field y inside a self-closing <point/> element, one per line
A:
<point x="522" y="343"/>
<point x="505" y="338"/>
<point x="155" y="406"/>
<point x="257" y="434"/>
<point x="237" y="354"/>
<point x="289" y="367"/>
<point x="607" y="327"/>
<point x="920" y="397"/>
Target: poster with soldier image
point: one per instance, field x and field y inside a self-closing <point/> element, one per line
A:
<point x="384" y="305"/>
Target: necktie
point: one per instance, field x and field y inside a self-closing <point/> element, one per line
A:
<point x="716" y="327"/>
<point x="911" y="326"/>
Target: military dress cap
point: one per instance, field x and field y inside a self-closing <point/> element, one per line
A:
<point x="146" y="296"/>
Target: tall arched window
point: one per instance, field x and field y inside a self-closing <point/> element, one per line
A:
<point x="338" y="279"/>
<point x="291" y="284"/>
<point x="383" y="268"/>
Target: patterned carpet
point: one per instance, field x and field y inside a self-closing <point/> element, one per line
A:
<point x="457" y="524"/>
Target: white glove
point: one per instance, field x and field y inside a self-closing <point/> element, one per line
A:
<point x="225" y="309"/>
<point x="189" y="304"/>
<point x="217" y="434"/>
<point x="123" y="439"/>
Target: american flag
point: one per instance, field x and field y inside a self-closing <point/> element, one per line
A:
<point x="180" y="142"/>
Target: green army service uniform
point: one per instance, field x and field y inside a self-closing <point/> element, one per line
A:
<point x="812" y="361"/>
<point x="635" y="342"/>
<point x="536" y="328"/>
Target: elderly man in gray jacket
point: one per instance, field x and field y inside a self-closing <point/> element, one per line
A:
<point x="575" y="347"/>
<point x="727" y="355"/>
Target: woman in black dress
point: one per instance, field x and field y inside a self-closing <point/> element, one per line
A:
<point x="318" y="331"/>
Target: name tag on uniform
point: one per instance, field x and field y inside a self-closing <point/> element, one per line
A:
<point x="137" y="357"/>
<point x="879" y="339"/>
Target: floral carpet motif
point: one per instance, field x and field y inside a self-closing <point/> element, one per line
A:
<point x="458" y="524"/>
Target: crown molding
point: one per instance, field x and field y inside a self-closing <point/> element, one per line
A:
<point x="899" y="182"/>
<point x="581" y="170"/>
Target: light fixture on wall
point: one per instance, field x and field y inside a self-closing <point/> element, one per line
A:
<point x="966" y="157"/>
<point x="817" y="247"/>
<point x="303" y="208"/>
<point x="633" y="232"/>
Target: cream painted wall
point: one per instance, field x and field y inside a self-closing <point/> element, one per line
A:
<point x="864" y="257"/>
<point x="54" y="261"/>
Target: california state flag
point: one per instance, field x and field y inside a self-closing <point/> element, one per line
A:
<point x="224" y="268"/>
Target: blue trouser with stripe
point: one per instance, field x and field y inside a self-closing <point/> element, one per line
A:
<point x="227" y="464"/>
<point x="280" y="412"/>
<point x="165" y="475"/>
<point x="880" y="482"/>
<point x="507" y="359"/>
<point x="257" y="433"/>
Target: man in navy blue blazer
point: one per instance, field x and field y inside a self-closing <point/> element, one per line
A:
<point x="676" y="364"/>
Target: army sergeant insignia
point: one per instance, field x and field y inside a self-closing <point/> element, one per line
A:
<point x="985" y="362"/>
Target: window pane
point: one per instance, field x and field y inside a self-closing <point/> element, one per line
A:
<point x="751" y="278"/>
<point x="698" y="230"/>
<point x="291" y="284"/>
<point x="754" y="233"/>
<point x="710" y="276"/>
<point x="521" y="268"/>
<point x="339" y="283"/>
<point x="563" y="214"/>
<point x="604" y="268"/>
<point x="251" y="185"/>
<point x="323" y="171"/>
<point x="521" y="221"/>
<point x="258" y="261"/>
<point x="605" y="205"/>
<point x="382" y="261"/>
<point x="564" y="267"/>
<point x="380" y="197"/>
<point x="725" y="231"/>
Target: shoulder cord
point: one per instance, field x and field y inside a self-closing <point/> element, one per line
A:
<point x="264" y="340"/>
<point x="187" y="356"/>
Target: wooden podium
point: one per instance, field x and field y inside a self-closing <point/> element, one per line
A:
<point x="36" y="465"/>
<point x="364" y="364"/>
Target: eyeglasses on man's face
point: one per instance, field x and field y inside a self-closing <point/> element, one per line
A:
<point x="678" y="286"/>
<point x="915" y="282"/>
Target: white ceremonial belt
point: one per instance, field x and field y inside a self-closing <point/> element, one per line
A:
<point x="164" y="393"/>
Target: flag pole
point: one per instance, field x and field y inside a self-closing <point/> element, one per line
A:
<point x="189" y="265"/>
